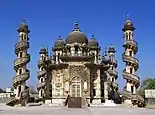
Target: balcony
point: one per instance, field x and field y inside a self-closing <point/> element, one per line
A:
<point x="21" y="44"/>
<point x="41" y="73"/>
<point x="113" y="72"/>
<point x="131" y="59"/>
<point x="130" y="76"/>
<point x="132" y="43"/>
<point x="115" y="84"/>
<point x="22" y="60"/>
<point x="22" y="77"/>
<point x="137" y="97"/>
<point x="113" y="62"/>
<point x="127" y="94"/>
<point x="39" y="85"/>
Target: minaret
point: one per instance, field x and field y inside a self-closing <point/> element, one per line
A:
<point x="42" y="73"/>
<point x="105" y="62"/>
<point x="132" y="64"/>
<point x="113" y="65"/>
<point x="20" y="64"/>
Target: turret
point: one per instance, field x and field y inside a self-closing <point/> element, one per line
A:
<point x="42" y="72"/>
<point x="94" y="49"/>
<point x="113" y="65"/>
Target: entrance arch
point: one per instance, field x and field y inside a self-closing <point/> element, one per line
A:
<point x="76" y="87"/>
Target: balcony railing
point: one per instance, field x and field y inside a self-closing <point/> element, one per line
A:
<point x="21" y="77"/>
<point x="127" y="93"/>
<point x="40" y="73"/>
<point x="130" y="59"/>
<point x="130" y="76"/>
<point x="131" y="42"/>
<point x="39" y="85"/>
<point x="137" y="97"/>
<point x="21" y="60"/>
<point x="22" y="44"/>
<point x="113" y="72"/>
<point x="115" y="84"/>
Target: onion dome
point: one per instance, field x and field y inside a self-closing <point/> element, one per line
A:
<point x="76" y="36"/>
<point x="93" y="42"/>
<point x="128" y="25"/>
<point x="111" y="49"/>
<point x="23" y="27"/>
<point x="59" y="42"/>
<point x="43" y="50"/>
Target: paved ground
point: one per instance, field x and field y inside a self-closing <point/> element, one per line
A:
<point x="48" y="110"/>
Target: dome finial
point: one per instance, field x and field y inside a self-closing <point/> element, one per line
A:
<point x="23" y="21"/>
<point x="76" y="28"/>
<point x="127" y="16"/>
<point x="59" y="37"/>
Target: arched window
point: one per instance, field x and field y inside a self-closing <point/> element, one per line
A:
<point x="129" y="35"/>
<point x="22" y="36"/>
<point x="85" y="85"/>
<point x="41" y="80"/>
<point x="126" y="36"/>
<point x="41" y="93"/>
<point x="76" y="50"/>
<point x="20" y="54"/>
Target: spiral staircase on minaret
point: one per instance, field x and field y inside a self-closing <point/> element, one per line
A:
<point x="130" y="95"/>
<point x="21" y="90"/>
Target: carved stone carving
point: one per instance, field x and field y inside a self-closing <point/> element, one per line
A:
<point x="78" y="71"/>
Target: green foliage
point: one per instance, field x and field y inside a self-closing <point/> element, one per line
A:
<point x="146" y="84"/>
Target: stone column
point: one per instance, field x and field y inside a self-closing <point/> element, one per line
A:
<point x="106" y="90"/>
<point x="98" y="90"/>
<point x="72" y="50"/>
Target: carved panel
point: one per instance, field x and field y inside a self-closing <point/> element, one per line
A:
<point x="78" y="71"/>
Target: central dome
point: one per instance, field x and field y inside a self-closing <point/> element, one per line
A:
<point x="76" y="36"/>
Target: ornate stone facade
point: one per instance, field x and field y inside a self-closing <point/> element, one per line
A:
<point x="74" y="69"/>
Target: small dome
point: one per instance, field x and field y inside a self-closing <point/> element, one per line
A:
<point x="128" y="25"/>
<point x="76" y="36"/>
<point x="43" y="50"/>
<point x="23" y="27"/>
<point x="59" y="42"/>
<point x="111" y="49"/>
<point x="93" y="42"/>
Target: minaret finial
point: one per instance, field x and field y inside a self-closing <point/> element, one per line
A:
<point x="127" y="15"/>
<point x="76" y="28"/>
<point x="59" y="37"/>
<point x="23" y="21"/>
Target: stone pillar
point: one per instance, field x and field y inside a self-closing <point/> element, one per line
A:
<point x="98" y="90"/>
<point x="128" y="86"/>
<point x="72" y="50"/>
<point x="106" y="90"/>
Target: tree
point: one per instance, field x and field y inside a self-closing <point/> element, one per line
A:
<point x="146" y="84"/>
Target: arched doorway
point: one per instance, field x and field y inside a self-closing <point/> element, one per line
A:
<point x="76" y="87"/>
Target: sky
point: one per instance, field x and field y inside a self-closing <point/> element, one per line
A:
<point x="48" y="19"/>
